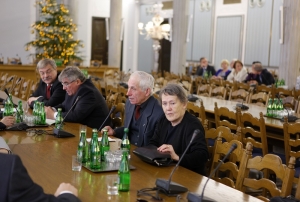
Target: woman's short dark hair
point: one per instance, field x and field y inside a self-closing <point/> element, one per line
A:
<point x="173" y="89"/>
<point x="238" y="61"/>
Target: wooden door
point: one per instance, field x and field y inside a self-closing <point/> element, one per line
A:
<point x="164" y="54"/>
<point x="99" y="42"/>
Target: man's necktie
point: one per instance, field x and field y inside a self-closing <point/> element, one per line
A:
<point x="48" y="91"/>
<point x="137" y="112"/>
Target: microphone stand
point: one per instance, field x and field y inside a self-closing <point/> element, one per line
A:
<point x="110" y="112"/>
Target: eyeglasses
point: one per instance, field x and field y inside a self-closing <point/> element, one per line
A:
<point x="67" y="84"/>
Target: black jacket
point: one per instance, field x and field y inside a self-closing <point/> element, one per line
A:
<point x="57" y="94"/>
<point x="210" y="70"/>
<point x="91" y="108"/>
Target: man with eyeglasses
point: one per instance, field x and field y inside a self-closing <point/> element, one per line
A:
<point x="50" y="90"/>
<point x="90" y="109"/>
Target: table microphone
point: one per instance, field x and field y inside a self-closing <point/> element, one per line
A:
<point x="111" y="111"/>
<point x="194" y="197"/>
<point x="18" y="113"/>
<point x="61" y="133"/>
<point x="291" y="118"/>
<point x="242" y="106"/>
<point x="167" y="186"/>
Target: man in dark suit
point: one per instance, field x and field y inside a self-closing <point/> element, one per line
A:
<point x="50" y="90"/>
<point x="90" y="109"/>
<point x="17" y="186"/>
<point x="204" y="67"/>
<point x="142" y="110"/>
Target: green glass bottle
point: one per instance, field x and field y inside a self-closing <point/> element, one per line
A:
<point x="20" y="115"/>
<point x="205" y="74"/>
<point x="95" y="153"/>
<point x="104" y="143"/>
<point x="58" y="120"/>
<point x="35" y="112"/>
<point x="7" y="111"/>
<point x="82" y="151"/>
<point x="274" y="107"/>
<point x="269" y="108"/>
<point x="124" y="174"/>
<point x="125" y="145"/>
<point x="42" y="114"/>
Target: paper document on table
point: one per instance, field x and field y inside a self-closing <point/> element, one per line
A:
<point x="100" y="138"/>
<point x="50" y="121"/>
<point x="14" y="109"/>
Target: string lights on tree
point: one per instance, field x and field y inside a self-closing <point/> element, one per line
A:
<point x="54" y="33"/>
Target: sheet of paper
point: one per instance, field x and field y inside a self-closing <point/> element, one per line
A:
<point x="50" y="121"/>
<point x="100" y="138"/>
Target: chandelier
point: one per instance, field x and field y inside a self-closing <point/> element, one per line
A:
<point x="156" y="31"/>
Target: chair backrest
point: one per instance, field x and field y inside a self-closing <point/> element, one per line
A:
<point x="244" y="86"/>
<point x="291" y="140"/>
<point x="219" y="92"/>
<point x="17" y="87"/>
<point x="239" y="95"/>
<point x="260" y="98"/>
<point x="230" y="168"/>
<point x="282" y="92"/>
<point x="97" y="84"/>
<point x="25" y="89"/>
<point x="198" y="111"/>
<point x="122" y="94"/>
<point x="290" y="102"/>
<point x="263" y="88"/>
<point x="254" y="130"/>
<point x="118" y="115"/>
<point x="225" y="117"/>
<point x="111" y="96"/>
<point x="9" y="83"/>
<point x="268" y="162"/>
<point x="203" y="90"/>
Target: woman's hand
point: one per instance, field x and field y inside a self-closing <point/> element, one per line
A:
<point x="167" y="148"/>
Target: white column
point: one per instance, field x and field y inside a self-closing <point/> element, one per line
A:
<point x="289" y="65"/>
<point x="115" y="24"/>
<point x="179" y="30"/>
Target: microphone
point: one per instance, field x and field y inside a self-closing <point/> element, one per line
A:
<point x="290" y="118"/>
<point x="167" y="186"/>
<point x="242" y="106"/>
<point x="18" y="113"/>
<point x="110" y="112"/>
<point x="3" y="87"/>
<point x="194" y="197"/>
<point x="17" y="82"/>
<point x="61" y="133"/>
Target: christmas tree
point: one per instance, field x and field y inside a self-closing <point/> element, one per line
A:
<point x="54" y="34"/>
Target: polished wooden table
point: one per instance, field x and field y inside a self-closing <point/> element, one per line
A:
<point x="48" y="161"/>
<point x="274" y="127"/>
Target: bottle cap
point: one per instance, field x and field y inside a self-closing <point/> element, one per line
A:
<point x="126" y="130"/>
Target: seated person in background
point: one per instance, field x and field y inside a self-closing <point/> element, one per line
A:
<point x="16" y="185"/>
<point x="223" y="72"/>
<point x="90" y="110"/>
<point x="232" y="63"/>
<point x="238" y="73"/>
<point x="253" y="74"/>
<point x="205" y="68"/>
<point x="7" y="121"/>
<point x="142" y="110"/>
<point x="175" y="130"/>
<point x="263" y="76"/>
<point x="50" y="90"/>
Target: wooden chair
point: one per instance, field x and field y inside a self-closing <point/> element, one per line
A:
<point x="282" y="92"/>
<point x="3" y="80"/>
<point x="244" y="86"/>
<point x="225" y="117"/>
<point x="187" y="86"/>
<point x="122" y="94"/>
<point x="96" y="63"/>
<point x="17" y="87"/>
<point x="240" y="95"/>
<point x="254" y="130"/>
<point x="216" y="82"/>
<point x="198" y="111"/>
<point x="25" y="89"/>
<point x="290" y="102"/>
<point x="230" y="169"/>
<point x="260" y="98"/>
<point x="218" y="92"/>
<point x="97" y="84"/>
<point x="230" y="86"/>
<point x="292" y="143"/>
<point x="186" y="78"/>
<point x="211" y="135"/>
<point x="118" y="115"/>
<point x="263" y="88"/>
<point x="111" y="96"/>
<point x="272" y="163"/>
<point x="32" y="88"/>
<point x="204" y="90"/>
<point x="9" y="83"/>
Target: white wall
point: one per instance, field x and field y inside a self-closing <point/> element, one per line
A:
<point x="15" y="19"/>
<point x="230" y="10"/>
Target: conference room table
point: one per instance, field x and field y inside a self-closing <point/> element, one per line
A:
<point x="48" y="161"/>
<point x="274" y="126"/>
